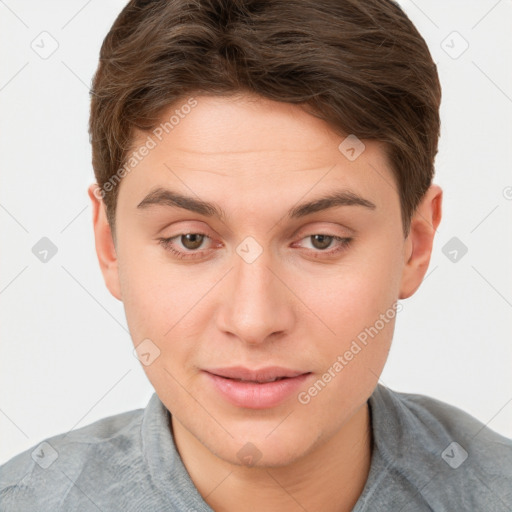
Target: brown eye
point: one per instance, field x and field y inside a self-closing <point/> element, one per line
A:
<point x="321" y="245"/>
<point x="192" y="241"/>
<point x="321" y="241"/>
<point x="185" y="245"/>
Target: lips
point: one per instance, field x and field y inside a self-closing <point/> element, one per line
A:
<point x="255" y="389"/>
<point x="268" y="374"/>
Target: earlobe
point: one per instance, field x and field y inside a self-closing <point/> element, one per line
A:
<point x="105" y="248"/>
<point x="418" y="245"/>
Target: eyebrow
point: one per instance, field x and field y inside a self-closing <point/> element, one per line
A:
<point x="165" y="197"/>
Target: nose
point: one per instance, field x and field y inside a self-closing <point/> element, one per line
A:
<point x="255" y="304"/>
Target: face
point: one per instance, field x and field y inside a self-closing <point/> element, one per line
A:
<point x="263" y="276"/>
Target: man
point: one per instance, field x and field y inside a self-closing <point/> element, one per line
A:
<point x="264" y="199"/>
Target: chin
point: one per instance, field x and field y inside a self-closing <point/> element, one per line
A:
<point x="262" y="450"/>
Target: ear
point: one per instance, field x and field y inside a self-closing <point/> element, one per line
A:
<point x="418" y="245"/>
<point x="105" y="248"/>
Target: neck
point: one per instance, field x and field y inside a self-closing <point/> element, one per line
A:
<point x="330" y="477"/>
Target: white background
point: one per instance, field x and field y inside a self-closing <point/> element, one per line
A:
<point x="66" y="355"/>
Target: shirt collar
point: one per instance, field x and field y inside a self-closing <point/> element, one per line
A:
<point x="166" y="468"/>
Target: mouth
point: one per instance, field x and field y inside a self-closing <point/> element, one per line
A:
<point x="255" y="389"/>
<point x="257" y="381"/>
<point x="260" y="376"/>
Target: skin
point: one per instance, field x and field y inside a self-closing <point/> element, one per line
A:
<point x="294" y="306"/>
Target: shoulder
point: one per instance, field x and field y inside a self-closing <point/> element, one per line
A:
<point x="439" y="420"/>
<point x="446" y="453"/>
<point x="35" y="478"/>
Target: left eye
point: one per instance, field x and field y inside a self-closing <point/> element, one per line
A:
<point x="321" y="242"/>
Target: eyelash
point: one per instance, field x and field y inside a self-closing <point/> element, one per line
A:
<point x="167" y="245"/>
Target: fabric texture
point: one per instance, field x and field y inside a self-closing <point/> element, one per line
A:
<point x="427" y="456"/>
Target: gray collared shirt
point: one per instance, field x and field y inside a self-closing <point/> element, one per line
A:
<point x="427" y="456"/>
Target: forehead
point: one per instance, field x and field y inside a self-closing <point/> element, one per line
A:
<point x="247" y="147"/>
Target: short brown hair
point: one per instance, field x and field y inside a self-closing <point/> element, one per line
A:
<point x="360" y="65"/>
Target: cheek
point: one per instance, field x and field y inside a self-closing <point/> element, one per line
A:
<point x="160" y="308"/>
<point x="165" y="304"/>
<point x="356" y="303"/>
<point x="352" y="296"/>
<point x="155" y="294"/>
<point x="360" y="310"/>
